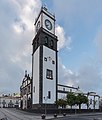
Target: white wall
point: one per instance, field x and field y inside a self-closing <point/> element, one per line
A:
<point x="25" y="102"/>
<point x="52" y="21"/>
<point x="36" y="77"/>
<point x="7" y="100"/>
<point x="62" y="88"/>
<point x="39" y="19"/>
<point x="97" y="102"/>
<point x="48" y="84"/>
<point x="62" y="95"/>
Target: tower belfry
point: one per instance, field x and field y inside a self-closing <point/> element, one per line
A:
<point x="44" y="59"/>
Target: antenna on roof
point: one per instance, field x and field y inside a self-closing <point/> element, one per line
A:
<point x="25" y="73"/>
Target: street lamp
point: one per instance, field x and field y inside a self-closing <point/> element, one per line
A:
<point x="0" y="101"/>
<point x="45" y="99"/>
<point x="44" y="115"/>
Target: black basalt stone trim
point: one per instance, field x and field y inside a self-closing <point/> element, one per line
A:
<point x="41" y="75"/>
<point x="56" y="74"/>
<point x="67" y="86"/>
<point x="41" y="35"/>
<point x="32" y="81"/>
<point x="31" y="92"/>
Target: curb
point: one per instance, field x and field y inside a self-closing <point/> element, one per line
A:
<point x="61" y="116"/>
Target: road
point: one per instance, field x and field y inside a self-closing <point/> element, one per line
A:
<point x="14" y="114"/>
<point x="92" y="116"/>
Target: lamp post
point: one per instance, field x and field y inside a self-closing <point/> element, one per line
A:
<point x="75" y="108"/>
<point x="0" y="101"/>
<point x="45" y="99"/>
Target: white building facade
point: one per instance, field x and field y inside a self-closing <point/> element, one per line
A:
<point x="44" y="59"/>
<point x="93" y="98"/>
<point x="10" y="101"/>
<point x="44" y="87"/>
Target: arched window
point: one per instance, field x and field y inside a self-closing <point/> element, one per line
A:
<point x="51" y="43"/>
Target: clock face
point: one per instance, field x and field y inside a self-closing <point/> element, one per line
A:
<point x="48" y="24"/>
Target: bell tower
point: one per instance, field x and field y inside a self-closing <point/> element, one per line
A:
<point x="44" y="59"/>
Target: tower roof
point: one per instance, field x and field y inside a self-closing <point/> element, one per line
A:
<point x="45" y="10"/>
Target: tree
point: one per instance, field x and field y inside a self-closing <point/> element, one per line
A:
<point x="61" y="102"/>
<point x="81" y="99"/>
<point x="71" y="99"/>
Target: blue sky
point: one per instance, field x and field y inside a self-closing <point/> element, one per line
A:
<point x="79" y="30"/>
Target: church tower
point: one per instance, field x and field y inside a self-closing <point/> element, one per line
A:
<point x="44" y="59"/>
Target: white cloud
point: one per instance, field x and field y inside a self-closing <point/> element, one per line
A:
<point x="98" y="43"/>
<point x="28" y="11"/>
<point x="63" y="40"/>
<point x="66" y="76"/>
<point x="17" y="32"/>
<point x="19" y="28"/>
<point x="88" y="77"/>
<point x="82" y="16"/>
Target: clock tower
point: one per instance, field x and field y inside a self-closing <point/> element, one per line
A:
<point x="44" y="60"/>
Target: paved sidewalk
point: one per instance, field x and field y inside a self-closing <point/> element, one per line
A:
<point x="33" y="116"/>
<point x="51" y="116"/>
